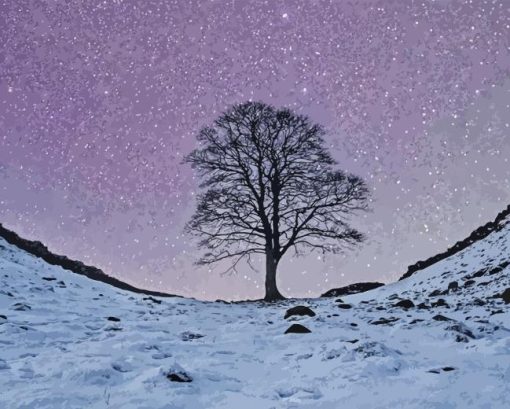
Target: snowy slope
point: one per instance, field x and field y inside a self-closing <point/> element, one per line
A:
<point x="59" y="349"/>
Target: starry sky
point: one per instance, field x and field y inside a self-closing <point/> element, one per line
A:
<point x="100" y="101"/>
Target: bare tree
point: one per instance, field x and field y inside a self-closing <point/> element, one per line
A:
<point x="270" y="186"/>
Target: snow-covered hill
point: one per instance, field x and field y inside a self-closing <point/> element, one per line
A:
<point x="69" y="342"/>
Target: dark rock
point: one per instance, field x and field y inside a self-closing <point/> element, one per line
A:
<point x="300" y="310"/>
<point x="440" y="303"/>
<point x="453" y="286"/>
<point x="189" y="336"/>
<point x="178" y="376"/>
<point x="415" y="321"/>
<point x="494" y="270"/>
<point x="352" y="289"/>
<point x="297" y="329"/>
<point x="469" y="282"/>
<point x="404" y="304"/>
<point x="49" y="278"/>
<point x="478" y="301"/>
<point x="344" y="306"/>
<point x="423" y="306"/>
<point x="479" y="273"/>
<point x="352" y="341"/>
<point x="114" y="319"/>
<point x="353" y="324"/>
<point x="436" y="371"/>
<point x="121" y="367"/>
<point x="384" y="321"/>
<point x="448" y="368"/>
<point x="440" y="317"/>
<point x="505" y="264"/>
<point x="380" y="308"/>
<point x="339" y="300"/>
<point x="435" y="293"/>
<point x="154" y="300"/>
<point x="19" y="306"/>
<point x="506" y="296"/>
<point x="113" y="329"/>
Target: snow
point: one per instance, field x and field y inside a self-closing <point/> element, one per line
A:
<point x="61" y="347"/>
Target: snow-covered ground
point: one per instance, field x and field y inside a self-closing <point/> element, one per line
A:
<point x="69" y="342"/>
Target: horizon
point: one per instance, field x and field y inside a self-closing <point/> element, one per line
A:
<point x="150" y="292"/>
<point x="99" y="104"/>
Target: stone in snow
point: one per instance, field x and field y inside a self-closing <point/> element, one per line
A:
<point x="297" y="329"/>
<point x="453" y="286"/>
<point x="404" y="304"/>
<point x="300" y="310"/>
<point x="506" y="296"/>
<point x="344" y="306"/>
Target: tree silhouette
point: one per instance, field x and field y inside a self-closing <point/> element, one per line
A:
<point x="270" y="186"/>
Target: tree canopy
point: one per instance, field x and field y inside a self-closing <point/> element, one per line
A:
<point x="269" y="185"/>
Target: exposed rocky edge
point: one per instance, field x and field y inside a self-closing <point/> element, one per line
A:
<point x="475" y="236"/>
<point x="37" y="249"/>
<point x="352" y="289"/>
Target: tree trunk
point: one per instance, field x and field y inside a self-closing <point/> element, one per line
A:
<point x="272" y="293"/>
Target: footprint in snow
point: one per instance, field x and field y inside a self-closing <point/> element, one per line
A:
<point x="123" y="365"/>
<point x="299" y="393"/>
<point x="21" y="307"/>
<point x="161" y="355"/>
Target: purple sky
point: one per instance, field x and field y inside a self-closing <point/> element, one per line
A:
<point x="99" y="101"/>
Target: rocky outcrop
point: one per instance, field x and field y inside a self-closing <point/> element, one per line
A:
<point x="352" y="289"/>
<point x="475" y="236"/>
<point x="36" y="248"/>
